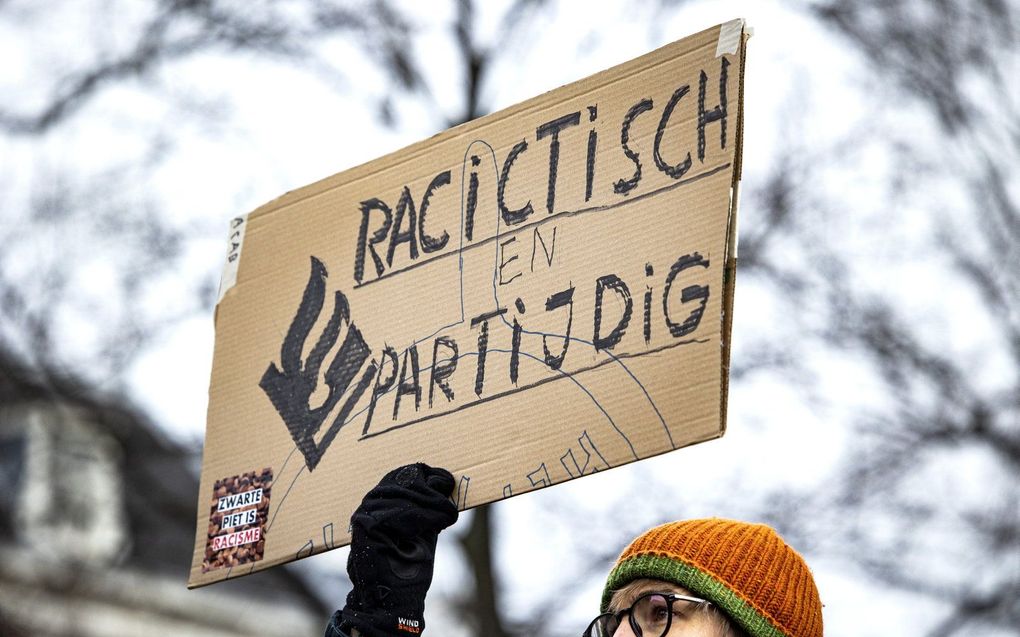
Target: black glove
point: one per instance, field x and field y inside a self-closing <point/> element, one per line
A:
<point x="393" y="548"/>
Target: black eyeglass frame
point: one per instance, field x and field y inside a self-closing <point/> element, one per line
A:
<point x="670" y="598"/>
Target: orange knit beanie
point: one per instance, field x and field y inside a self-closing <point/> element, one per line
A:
<point x="746" y="570"/>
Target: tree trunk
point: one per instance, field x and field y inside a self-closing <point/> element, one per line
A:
<point x="477" y="544"/>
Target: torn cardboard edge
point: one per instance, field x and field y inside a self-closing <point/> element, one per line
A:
<point x="733" y="237"/>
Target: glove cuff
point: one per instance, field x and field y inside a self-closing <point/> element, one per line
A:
<point x="381" y="623"/>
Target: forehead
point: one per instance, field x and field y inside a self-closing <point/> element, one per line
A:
<point x="625" y="596"/>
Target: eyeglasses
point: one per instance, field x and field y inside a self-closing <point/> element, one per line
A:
<point x="651" y="615"/>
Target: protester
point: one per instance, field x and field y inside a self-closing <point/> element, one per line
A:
<point x="695" y="578"/>
<point x="719" y="578"/>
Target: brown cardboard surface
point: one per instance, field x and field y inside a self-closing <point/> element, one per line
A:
<point x="524" y="299"/>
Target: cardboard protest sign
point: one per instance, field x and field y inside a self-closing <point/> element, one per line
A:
<point x="527" y="298"/>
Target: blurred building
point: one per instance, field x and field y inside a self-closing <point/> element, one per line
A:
<point x="97" y="521"/>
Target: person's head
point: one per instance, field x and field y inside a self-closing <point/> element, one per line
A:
<point x="711" y="578"/>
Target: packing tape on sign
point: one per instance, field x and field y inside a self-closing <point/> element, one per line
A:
<point x="234" y="244"/>
<point x="729" y="37"/>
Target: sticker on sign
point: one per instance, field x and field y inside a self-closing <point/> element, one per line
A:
<point x="528" y="298"/>
<point x="237" y="517"/>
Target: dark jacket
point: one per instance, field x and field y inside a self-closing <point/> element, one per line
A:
<point x="333" y="628"/>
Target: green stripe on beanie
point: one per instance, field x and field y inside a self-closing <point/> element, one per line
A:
<point x="698" y="582"/>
